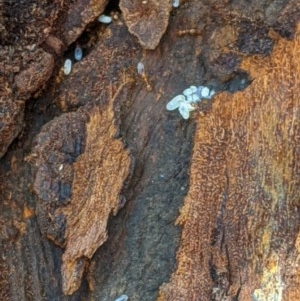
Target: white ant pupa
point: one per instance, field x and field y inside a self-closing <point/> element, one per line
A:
<point x="190" y="96"/>
<point x="78" y="53"/>
<point x="204" y="92"/>
<point x="105" y="19"/>
<point x="175" y="102"/>
<point x="193" y="98"/>
<point x="122" y="298"/>
<point x="189" y="91"/>
<point x="67" y="66"/>
<point x="184" y="109"/>
<point x="140" y="68"/>
<point x="175" y="3"/>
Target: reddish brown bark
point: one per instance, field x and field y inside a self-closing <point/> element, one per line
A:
<point x="240" y="218"/>
<point x="64" y="146"/>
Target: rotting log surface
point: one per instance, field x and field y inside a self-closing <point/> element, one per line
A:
<point x="79" y="220"/>
<point x="204" y="43"/>
<point x="240" y="238"/>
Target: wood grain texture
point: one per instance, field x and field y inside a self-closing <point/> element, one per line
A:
<point x="99" y="174"/>
<point x="38" y="72"/>
<point x="79" y="168"/>
<point x="240" y="219"/>
<point x="204" y="44"/>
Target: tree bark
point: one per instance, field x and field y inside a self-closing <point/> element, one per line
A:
<point x="104" y="192"/>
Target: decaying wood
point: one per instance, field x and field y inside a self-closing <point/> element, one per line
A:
<point x="98" y="176"/>
<point x="240" y="218"/>
<point x="61" y="178"/>
<point x="26" y="64"/>
<point x="37" y="73"/>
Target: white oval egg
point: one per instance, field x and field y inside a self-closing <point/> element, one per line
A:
<point x="122" y="298"/>
<point x="67" y="66"/>
<point x="175" y="3"/>
<point x="184" y="111"/>
<point x="195" y="98"/>
<point x="187" y="92"/>
<point x="78" y="53"/>
<point x="105" y="19"/>
<point x="140" y="68"/>
<point x="175" y="102"/>
<point x="205" y="92"/>
<point x="193" y="88"/>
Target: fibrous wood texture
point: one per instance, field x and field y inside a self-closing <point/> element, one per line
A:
<point x="240" y="219"/>
<point x="46" y="236"/>
<point x="98" y="175"/>
<point x="37" y="73"/>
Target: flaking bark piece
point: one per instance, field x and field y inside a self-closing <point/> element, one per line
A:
<point x="148" y="20"/>
<point x="99" y="174"/>
<point x="55" y="150"/>
<point x="80" y="168"/>
<point x="240" y="238"/>
<point x="36" y="74"/>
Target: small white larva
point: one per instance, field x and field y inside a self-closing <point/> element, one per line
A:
<point x="78" y="53"/>
<point x="105" y="19"/>
<point x="193" y="98"/>
<point x="67" y="66"/>
<point x="189" y="91"/>
<point x="184" y="111"/>
<point x="140" y="68"/>
<point x="205" y="92"/>
<point x="175" y="102"/>
<point x="122" y="298"/>
<point x="175" y="3"/>
<point x="185" y="108"/>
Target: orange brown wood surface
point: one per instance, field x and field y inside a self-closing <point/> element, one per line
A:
<point x="65" y="141"/>
<point x="106" y="162"/>
<point x="240" y="219"/>
<point x="98" y="176"/>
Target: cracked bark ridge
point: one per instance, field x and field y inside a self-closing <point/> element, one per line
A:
<point x="99" y="174"/>
<point x="36" y="73"/>
<point x="81" y="168"/>
<point x="90" y="78"/>
<point x="11" y="121"/>
<point x="80" y="14"/>
<point x="148" y="20"/>
<point x="27" y="81"/>
<point x="237" y="242"/>
<point x="24" y="66"/>
<point x="56" y="148"/>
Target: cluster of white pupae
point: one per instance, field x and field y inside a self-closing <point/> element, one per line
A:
<point x="184" y="102"/>
<point x="78" y="51"/>
<point x="68" y="63"/>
